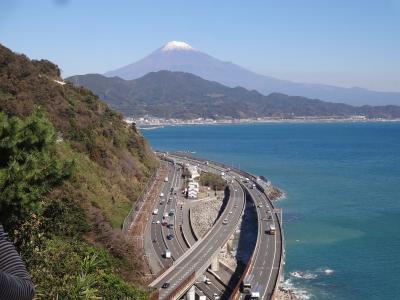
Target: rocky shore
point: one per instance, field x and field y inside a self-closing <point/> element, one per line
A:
<point x="273" y="192"/>
<point x="286" y="294"/>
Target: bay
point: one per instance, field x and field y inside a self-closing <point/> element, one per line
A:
<point x="342" y="205"/>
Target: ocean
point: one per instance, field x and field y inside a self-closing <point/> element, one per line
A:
<point x="342" y="205"/>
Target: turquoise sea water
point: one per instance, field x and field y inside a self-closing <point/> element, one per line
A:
<point x="342" y="210"/>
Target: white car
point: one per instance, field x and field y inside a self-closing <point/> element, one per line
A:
<point x="231" y="212"/>
<point x="158" y="222"/>
<point x="154" y="222"/>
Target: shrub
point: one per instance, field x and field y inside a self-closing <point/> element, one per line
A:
<point x="212" y="180"/>
<point x="28" y="167"/>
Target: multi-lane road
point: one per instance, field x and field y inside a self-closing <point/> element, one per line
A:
<point x="265" y="265"/>
<point x="172" y="200"/>
<point x="191" y="258"/>
<point x="266" y="260"/>
<point x="197" y="259"/>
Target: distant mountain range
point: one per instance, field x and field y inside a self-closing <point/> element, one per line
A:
<point x="179" y="56"/>
<point x="182" y="95"/>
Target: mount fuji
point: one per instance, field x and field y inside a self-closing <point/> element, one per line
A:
<point x="180" y="56"/>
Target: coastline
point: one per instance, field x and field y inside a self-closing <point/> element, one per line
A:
<point x="151" y="123"/>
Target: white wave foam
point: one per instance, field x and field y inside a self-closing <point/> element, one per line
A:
<point x="304" y="275"/>
<point x="299" y="293"/>
<point x="325" y="271"/>
<point x="329" y="271"/>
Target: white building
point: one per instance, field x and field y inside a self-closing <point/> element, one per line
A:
<point x="192" y="194"/>
<point x="194" y="173"/>
<point x="193" y="189"/>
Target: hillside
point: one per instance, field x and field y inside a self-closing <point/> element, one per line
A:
<point x="169" y="94"/>
<point x="70" y="236"/>
<point x="179" y="56"/>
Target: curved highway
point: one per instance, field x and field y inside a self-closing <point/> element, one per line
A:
<point x="198" y="258"/>
<point x="183" y="236"/>
<point x="263" y="274"/>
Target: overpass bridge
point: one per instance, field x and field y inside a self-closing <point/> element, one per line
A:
<point x="188" y="267"/>
<point x="265" y="264"/>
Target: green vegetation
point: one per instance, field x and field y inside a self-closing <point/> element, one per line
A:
<point x="181" y="95"/>
<point x="28" y="168"/>
<point x="70" y="169"/>
<point x="212" y="180"/>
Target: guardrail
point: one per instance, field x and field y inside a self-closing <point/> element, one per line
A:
<point x="138" y="204"/>
<point x="281" y="257"/>
<point x="236" y="292"/>
<point x="282" y="248"/>
<point x="250" y="263"/>
<point x="181" y="288"/>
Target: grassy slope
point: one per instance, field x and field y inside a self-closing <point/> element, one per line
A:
<point x="113" y="161"/>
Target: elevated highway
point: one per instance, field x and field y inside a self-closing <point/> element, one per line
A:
<point x="264" y="268"/>
<point x="204" y="250"/>
<point x="198" y="258"/>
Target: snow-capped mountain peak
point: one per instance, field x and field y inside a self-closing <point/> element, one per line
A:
<point x="176" y="45"/>
<point x="180" y="56"/>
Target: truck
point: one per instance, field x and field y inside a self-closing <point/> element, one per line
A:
<point x="155" y="212"/>
<point x="255" y="295"/>
<point x="166" y="179"/>
<point x="167" y="253"/>
<point x="271" y="229"/>
<point x="246" y="284"/>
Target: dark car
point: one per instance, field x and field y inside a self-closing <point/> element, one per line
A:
<point x="170" y="236"/>
<point x="170" y="226"/>
<point x="165" y="285"/>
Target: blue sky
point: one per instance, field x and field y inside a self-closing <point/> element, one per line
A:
<point x="340" y="42"/>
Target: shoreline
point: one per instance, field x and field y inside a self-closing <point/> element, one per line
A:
<point x="160" y="123"/>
